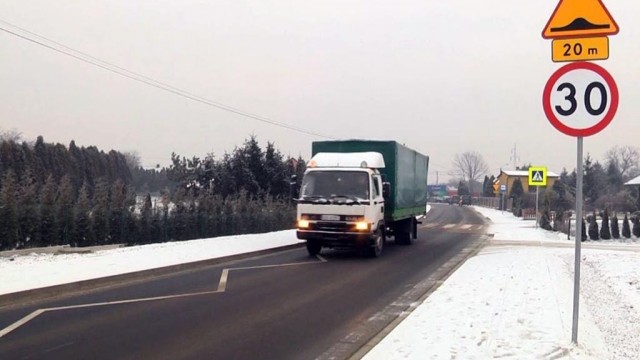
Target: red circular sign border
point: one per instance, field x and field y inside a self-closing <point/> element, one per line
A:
<point x="546" y="99"/>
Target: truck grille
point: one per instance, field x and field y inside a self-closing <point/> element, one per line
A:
<point x="332" y="226"/>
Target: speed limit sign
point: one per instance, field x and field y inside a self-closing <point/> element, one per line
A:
<point x="580" y="99"/>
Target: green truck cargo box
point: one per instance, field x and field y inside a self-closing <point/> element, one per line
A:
<point x="405" y="169"/>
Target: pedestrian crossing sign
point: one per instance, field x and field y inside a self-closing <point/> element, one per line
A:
<point x="537" y="176"/>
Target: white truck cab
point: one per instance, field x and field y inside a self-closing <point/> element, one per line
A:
<point x="341" y="202"/>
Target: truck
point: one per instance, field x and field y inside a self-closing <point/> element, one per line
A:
<point x="358" y="193"/>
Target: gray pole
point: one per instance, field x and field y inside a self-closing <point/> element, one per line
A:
<point x="576" y="276"/>
<point x="537" y="187"/>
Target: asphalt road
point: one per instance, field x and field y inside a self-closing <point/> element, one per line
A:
<point x="279" y="306"/>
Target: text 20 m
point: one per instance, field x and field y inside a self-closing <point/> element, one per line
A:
<point x="594" y="48"/>
<point x="576" y="49"/>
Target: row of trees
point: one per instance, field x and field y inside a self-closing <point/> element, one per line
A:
<point x="37" y="161"/>
<point x="603" y="185"/>
<point x="84" y="197"/>
<point x="610" y="227"/>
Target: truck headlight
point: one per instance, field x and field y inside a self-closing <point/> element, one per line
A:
<point x="303" y="224"/>
<point x="361" y="225"/>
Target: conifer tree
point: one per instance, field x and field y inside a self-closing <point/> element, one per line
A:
<point x="178" y="216"/>
<point x="584" y="231"/>
<point x="82" y="231"/>
<point x="636" y="226"/>
<point x="64" y="207"/>
<point x="277" y="177"/>
<point x="9" y="225"/>
<point x="145" y="220"/>
<point x="48" y="225"/>
<point x="117" y="215"/>
<point x="593" y="228"/>
<point x="626" y="229"/>
<point x="615" y="229"/>
<point x="100" y="212"/>
<point x="28" y="210"/>
<point x="516" y="193"/>
<point x="605" y="232"/>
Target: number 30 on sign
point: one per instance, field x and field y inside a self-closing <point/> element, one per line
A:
<point x="580" y="99"/>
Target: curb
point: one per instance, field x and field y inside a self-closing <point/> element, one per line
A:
<point x="46" y="293"/>
<point x="377" y="338"/>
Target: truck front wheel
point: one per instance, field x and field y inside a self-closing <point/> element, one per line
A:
<point x="378" y="244"/>
<point x="313" y="248"/>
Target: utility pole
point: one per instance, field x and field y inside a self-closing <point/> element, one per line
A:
<point x="514" y="156"/>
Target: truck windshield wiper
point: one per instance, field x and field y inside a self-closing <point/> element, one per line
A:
<point x="312" y="197"/>
<point x="315" y="198"/>
<point x="349" y="197"/>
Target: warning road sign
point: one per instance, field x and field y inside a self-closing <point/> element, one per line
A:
<point x="580" y="18"/>
<point x="537" y="176"/>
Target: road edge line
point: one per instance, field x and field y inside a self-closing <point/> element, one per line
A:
<point x="20" y="298"/>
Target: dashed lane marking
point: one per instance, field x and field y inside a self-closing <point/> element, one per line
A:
<point x="222" y="285"/>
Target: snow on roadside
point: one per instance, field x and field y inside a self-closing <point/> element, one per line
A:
<point x="40" y="270"/>
<point x="610" y="287"/>
<point x="507" y="302"/>
<point x="516" y="301"/>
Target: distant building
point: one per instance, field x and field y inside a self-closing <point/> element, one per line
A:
<point x="509" y="176"/>
<point x="635" y="182"/>
<point x="437" y="190"/>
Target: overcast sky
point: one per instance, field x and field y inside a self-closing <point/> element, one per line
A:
<point x="442" y="77"/>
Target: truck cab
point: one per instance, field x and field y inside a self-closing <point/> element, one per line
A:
<point x="341" y="202"/>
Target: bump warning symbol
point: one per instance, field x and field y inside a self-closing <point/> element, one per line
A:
<point x="580" y="18"/>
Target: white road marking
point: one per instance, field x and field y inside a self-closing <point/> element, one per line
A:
<point x="21" y="322"/>
<point x="466" y="226"/>
<point x="449" y="226"/>
<point x="222" y="285"/>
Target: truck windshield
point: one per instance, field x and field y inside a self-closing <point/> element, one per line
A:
<point x="331" y="184"/>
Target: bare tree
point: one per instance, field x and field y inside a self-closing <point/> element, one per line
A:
<point x="10" y="135"/>
<point x="132" y="158"/>
<point x="470" y="167"/>
<point x="626" y="158"/>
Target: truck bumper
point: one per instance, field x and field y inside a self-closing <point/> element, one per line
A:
<point x="337" y="240"/>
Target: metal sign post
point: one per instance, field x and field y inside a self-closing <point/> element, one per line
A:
<point x="584" y="81"/>
<point x="576" y="275"/>
<point x="537" y="178"/>
<point x="537" y="210"/>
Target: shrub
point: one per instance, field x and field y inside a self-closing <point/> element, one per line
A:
<point x="615" y="229"/>
<point x="636" y="226"/>
<point x="545" y="223"/>
<point x="626" y="229"/>
<point x="593" y="228"/>
<point x="605" y="232"/>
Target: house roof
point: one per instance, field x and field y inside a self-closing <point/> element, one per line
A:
<point x="526" y="173"/>
<point x="634" y="181"/>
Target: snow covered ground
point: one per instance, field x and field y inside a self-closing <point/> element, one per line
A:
<point x="513" y="300"/>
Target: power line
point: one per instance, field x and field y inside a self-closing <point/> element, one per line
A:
<point x="78" y="55"/>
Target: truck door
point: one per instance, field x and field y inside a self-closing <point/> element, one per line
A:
<point x="378" y="200"/>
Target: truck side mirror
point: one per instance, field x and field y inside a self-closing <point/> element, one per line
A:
<point x="293" y="187"/>
<point x="386" y="189"/>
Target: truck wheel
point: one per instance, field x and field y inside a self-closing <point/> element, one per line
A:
<point x="378" y="244"/>
<point x="403" y="233"/>
<point x="313" y="248"/>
